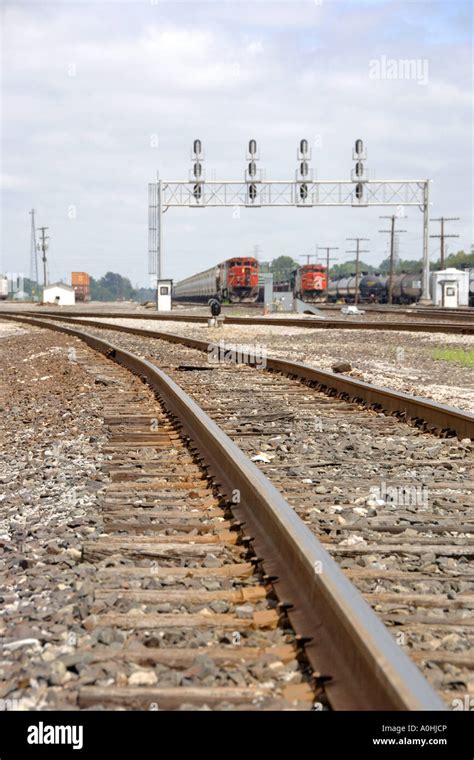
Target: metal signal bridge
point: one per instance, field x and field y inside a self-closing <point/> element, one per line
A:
<point x="303" y="191"/>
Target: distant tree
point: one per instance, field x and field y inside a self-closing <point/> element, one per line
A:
<point x="281" y="268"/>
<point x="349" y="267"/>
<point x="403" y="265"/>
<point x="113" y="287"/>
<point x="460" y="260"/>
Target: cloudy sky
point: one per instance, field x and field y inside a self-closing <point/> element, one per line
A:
<point x="98" y="96"/>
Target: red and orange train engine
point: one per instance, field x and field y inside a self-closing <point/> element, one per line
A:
<point x="239" y="278"/>
<point x="309" y="283"/>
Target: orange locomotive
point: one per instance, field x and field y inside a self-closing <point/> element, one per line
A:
<point x="309" y="283"/>
<point x="234" y="280"/>
<point x="240" y="276"/>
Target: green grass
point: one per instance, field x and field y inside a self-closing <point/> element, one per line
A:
<point x="457" y="355"/>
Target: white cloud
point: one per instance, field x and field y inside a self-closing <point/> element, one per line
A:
<point x="97" y="97"/>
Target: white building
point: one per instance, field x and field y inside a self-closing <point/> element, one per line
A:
<point x="450" y="287"/>
<point x="60" y="294"/>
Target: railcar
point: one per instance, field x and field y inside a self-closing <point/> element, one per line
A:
<point x="406" y="288"/>
<point x="372" y="288"/>
<point x="235" y="280"/>
<point x="309" y="283"/>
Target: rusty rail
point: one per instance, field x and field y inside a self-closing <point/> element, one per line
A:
<point x="347" y="645"/>
<point x="440" y="418"/>
<point x="457" y="328"/>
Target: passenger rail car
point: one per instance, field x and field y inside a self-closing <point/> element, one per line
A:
<point x="235" y="280"/>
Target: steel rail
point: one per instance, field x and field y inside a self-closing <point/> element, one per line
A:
<point x="432" y="415"/>
<point x="350" y="649"/>
<point x="457" y="328"/>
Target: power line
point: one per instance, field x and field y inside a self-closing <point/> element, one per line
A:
<point x="357" y="252"/>
<point x="443" y="235"/>
<point x="391" y="231"/>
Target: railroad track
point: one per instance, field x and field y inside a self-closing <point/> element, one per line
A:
<point x="440" y="418"/>
<point x="456" y="328"/>
<point x="461" y="314"/>
<point x="175" y="575"/>
<point x="186" y="569"/>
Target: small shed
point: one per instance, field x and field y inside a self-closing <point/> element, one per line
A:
<point x="450" y="287"/>
<point x="59" y="293"/>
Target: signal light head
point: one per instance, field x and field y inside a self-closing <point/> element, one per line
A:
<point x="304" y="169"/>
<point x="252" y="147"/>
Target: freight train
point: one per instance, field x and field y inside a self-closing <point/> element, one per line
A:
<point x="234" y="280"/>
<point x="374" y="288"/>
<point x="309" y="283"/>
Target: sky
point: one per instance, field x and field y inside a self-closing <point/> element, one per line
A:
<point x="96" y="97"/>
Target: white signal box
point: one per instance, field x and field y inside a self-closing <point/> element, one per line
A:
<point x="163" y="297"/>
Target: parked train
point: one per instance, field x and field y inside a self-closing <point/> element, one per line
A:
<point x="309" y="283"/>
<point x="234" y="280"/>
<point x="4" y="287"/>
<point x="374" y="288"/>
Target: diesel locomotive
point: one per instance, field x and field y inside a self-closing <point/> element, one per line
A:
<point x="234" y="280"/>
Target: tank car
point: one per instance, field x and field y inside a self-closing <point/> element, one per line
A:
<point x="332" y="290"/>
<point x="342" y="294"/>
<point x="372" y="288"/>
<point x="406" y="288"/>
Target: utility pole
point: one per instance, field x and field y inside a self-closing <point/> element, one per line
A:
<point x="44" y="248"/>
<point x="33" y="256"/>
<point x="308" y="256"/>
<point x="329" y="258"/>
<point x="443" y="235"/>
<point x="357" y="252"/>
<point x="392" y="239"/>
